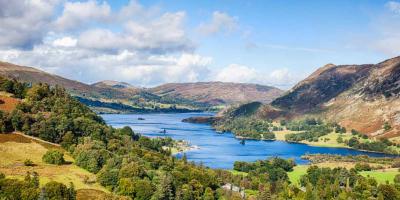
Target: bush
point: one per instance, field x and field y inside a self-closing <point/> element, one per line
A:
<point x="28" y="162"/>
<point x="386" y="126"/>
<point x="53" y="157"/>
<point x="397" y="179"/>
<point x="362" y="167"/>
<point x="396" y="164"/>
<point x="55" y="190"/>
<point x="339" y="139"/>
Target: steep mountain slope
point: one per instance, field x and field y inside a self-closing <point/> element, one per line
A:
<point x="371" y="103"/>
<point x="360" y="97"/>
<point x="216" y="93"/>
<point x="321" y="86"/>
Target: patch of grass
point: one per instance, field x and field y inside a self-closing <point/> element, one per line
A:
<point x="333" y="164"/>
<point x="251" y="192"/>
<point x="382" y="176"/>
<point x="280" y="135"/>
<point x="298" y="171"/>
<point x="14" y="153"/>
<point x="234" y="172"/>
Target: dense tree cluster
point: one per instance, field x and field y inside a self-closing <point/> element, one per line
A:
<point x="14" y="87"/>
<point x="125" y="162"/>
<point x="382" y="145"/>
<point x="248" y="128"/>
<point x="29" y="189"/>
<point x="317" y="183"/>
<point x="265" y="171"/>
<point x="312" y="130"/>
<point x="340" y="183"/>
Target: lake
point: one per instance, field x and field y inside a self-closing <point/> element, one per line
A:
<point x="217" y="150"/>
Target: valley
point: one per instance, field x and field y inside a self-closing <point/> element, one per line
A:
<point x="119" y="97"/>
<point x="142" y="149"/>
<point x="336" y="106"/>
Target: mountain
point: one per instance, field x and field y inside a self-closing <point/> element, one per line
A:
<point x="29" y="74"/>
<point x="360" y="97"/>
<point x="116" y="85"/>
<point x="321" y="86"/>
<point x="217" y="93"/>
<point x="370" y="103"/>
<point x="106" y="96"/>
<point x="114" y="96"/>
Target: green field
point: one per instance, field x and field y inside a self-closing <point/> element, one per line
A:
<point x="234" y="172"/>
<point x="382" y="176"/>
<point x="298" y="171"/>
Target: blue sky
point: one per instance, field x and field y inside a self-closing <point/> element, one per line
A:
<point x="152" y="42"/>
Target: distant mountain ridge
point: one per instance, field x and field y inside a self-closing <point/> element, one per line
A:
<point x="113" y="94"/>
<point x="114" y="84"/>
<point x="216" y="93"/>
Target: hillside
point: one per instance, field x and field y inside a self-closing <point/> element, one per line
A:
<point x="32" y="75"/>
<point x="106" y="96"/>
<point x="360" y="97"/>
<point x="370" y="103"/>
<point x="217" y="93"/>
<point x="114" y="96"/>
<point x="16" y="148"/>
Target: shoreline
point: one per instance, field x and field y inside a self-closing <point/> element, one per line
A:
<point x="310" y="144"/>
<point x="181" y="146"/>
<point x="206" y="120"/>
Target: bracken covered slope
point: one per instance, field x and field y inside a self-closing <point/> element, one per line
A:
<point x="215" y="93"/>
<point x="360" y="97"/>
<point x="371" y="103"/>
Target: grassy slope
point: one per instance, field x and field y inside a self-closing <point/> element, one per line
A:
<point x="329" y="140"/>
<point x="382" y="175"/>
<point x="15" y="149"/>
<point x="298" y="171"/>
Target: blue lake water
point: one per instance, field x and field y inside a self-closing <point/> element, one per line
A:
<point x="217" y="150"/>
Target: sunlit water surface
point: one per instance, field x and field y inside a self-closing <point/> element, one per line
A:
<point x="217" y="150"/>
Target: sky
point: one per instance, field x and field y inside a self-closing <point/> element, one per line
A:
<point x="147" y="43"/>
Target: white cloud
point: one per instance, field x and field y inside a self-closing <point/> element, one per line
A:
<point x="389" y="45"/>
<point x="65" y="42"/>
<point x="393" y="6"/>
<point x="386" y="30"/>
<point x="243" y="74"/>
<point x="144" y="46"/>
<point x="90" y="66"/>
<point x="160" y="35"/>
<point x="220" y="22"/>
<point x="237" y="73"/>
<point x="24" y="23"/>
<point x="78" y="14"/>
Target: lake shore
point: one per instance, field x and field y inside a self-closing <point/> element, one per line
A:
<point x="181" y="146"/>
<point x="324" y="141"/>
